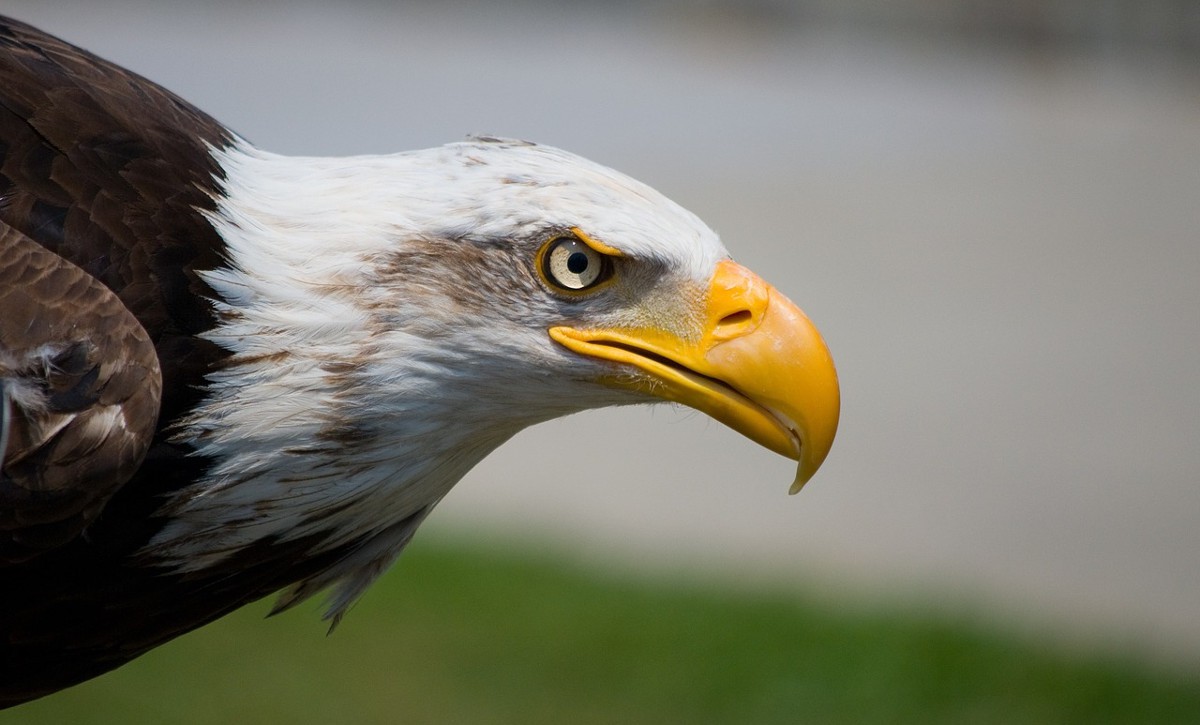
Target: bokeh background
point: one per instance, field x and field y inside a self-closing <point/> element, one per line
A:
<point x="990" y="208"/>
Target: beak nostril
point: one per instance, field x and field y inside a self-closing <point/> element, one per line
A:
<point x="735" y="318"/>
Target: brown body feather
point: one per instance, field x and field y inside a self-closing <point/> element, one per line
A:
<point x="103" y="176"/>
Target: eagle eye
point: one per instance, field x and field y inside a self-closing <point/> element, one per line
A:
<point x="570" y="265"/>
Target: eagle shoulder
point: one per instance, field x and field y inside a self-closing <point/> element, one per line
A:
<point x="116" y="174"/>
<point x="80" y="388"/>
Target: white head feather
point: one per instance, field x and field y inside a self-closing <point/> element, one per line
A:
<point x="388" y="331"/>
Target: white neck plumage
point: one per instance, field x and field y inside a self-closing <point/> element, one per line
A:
<point x="342" y="413"/>
<point x="388" y="329"/>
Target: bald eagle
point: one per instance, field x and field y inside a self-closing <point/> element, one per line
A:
<point x="226" y="373"/>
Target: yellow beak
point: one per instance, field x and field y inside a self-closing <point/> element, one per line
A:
<point x="757" y="364"/>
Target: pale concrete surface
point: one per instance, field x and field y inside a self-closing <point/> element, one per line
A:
<point x="1001" y="249"/>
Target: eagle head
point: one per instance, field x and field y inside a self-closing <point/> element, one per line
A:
<point x="393" y="319"/>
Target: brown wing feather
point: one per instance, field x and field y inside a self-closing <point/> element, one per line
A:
<point x="109" y="175"/>
<point x="81" y="387"/>
<point x="108" y="170"/>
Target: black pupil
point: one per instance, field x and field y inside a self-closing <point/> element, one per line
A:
<point x="577" y="262"/>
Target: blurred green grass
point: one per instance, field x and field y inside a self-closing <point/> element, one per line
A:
<point x="465" y="633"/>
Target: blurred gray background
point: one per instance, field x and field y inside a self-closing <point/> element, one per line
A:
<point x="991" y="209"/>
